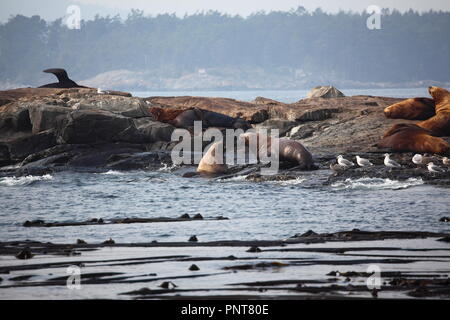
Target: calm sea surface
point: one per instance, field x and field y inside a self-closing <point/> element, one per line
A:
<point x="270" y="210"/>
<point x="287" y="96"/>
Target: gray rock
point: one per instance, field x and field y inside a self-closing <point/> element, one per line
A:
<point x="154" y="130"/>
<point x="301" y="132"/>
<point x="120" y="156"/>
<point x="325" y="92"/>
<point x="90" y="126"/>
<point x="125" y="106"/>
<point x="317" y="114"/>
<point x="14" y="117"/>
<point x="45" y="117"/>
<point x="101" y="156"/>
<point x="4" y="155"/>
<point x="134" y="161"/>
<point x="282" y="125"/>
<point x="20" y="148"/>
<point x="266" y="101"/>
<point x="259" y="116"/>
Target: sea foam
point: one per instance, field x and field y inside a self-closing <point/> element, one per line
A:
<point x="377" y="183"/>
<point x="23" y="181"/>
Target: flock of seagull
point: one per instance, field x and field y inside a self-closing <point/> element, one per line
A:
<point x="418" y="159"/>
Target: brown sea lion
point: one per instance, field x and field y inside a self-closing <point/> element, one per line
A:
<point x="165" y="114"/>
<point x="423" y="136"/>
<point x="412" y="109"/>
<point x="440" y="123"/>
<point x="211" y="162"/>
<point x="289" y="150"/>
<point x="404" y="137"/>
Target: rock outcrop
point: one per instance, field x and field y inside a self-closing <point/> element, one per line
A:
<point x="251" y="112"/>
<point x="76" y="128"/>
<point x="59" y="129"/>
<point x="325" y="92"/>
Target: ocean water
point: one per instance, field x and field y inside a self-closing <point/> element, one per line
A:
<point x="287" y="96"/>
<point x="268" y="210"/>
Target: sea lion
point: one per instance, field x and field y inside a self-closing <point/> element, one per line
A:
<point x="404" y="137"/>
<point x="440" y="123"/>
<point x="210" y="162"/>
<point x="63" y="78"/>
<point x="422" y="136"/>
<point x="289" y="150"/>
<point x="412" y="109"/>
<point x="184" y="118"/>
<point x="165" y="114"/>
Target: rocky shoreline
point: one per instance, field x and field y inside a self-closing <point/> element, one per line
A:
<point x="50" y="130"/>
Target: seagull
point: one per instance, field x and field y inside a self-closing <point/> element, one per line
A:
<point x="336" y="167"/>
<point x="390" y="163"/>
<point x="417" y="159"/>
<point x="100" y="91"/>
<point x="434" y="168"/>
<point x="344" y="162"/>
<point x="363" y="162"/>
<point x="446" y="161"/>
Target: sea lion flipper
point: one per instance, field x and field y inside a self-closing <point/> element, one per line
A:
<point x="63" y="79"/>
<point x="61" y="74"/>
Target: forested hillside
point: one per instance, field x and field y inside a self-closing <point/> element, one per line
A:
<point x="277" y="49"/>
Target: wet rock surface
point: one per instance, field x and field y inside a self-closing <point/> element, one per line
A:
<point x="95" y="221"/>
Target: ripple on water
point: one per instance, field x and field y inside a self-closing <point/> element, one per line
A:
<point x="268" y="210"/>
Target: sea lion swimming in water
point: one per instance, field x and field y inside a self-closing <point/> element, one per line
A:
<point x="63" y="78"/>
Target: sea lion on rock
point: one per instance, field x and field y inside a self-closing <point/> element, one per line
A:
<point x="440" y="123"/>
<point x="412" y="109"/>
<point x="422" y="136"/>
<point x="63" y="78"/>
<point x="403" y="137"/>
<point x="289" y="150"/>
<point x="184" y="118"/>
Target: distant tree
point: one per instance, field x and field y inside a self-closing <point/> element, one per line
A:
<point x="409" y="47"/>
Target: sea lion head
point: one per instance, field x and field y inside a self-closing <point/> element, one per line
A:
<point x="413" y="108"/>
<point x="437" y="93"/>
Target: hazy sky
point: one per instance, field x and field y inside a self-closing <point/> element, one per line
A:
<point x="53" y="9"/>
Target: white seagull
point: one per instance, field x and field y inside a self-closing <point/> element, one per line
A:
<point x="337" y="167"/>
<point x="446" y="161"/>
<point x="344" y="162"/>
<point x="390" y="163"/>
<point x="417" y="159"/>
<point x="434" y="168"/>
<point x="363" y="162"/>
